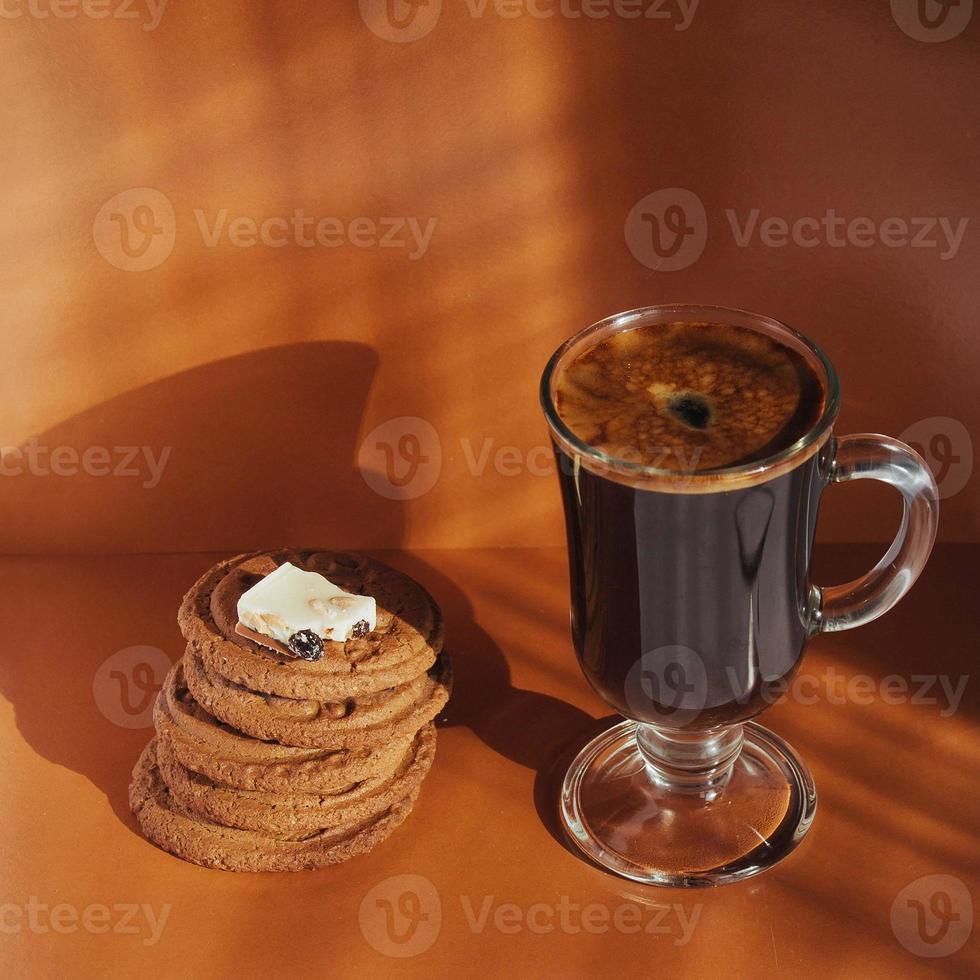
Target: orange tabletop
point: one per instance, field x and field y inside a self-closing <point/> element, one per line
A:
<point x="478" y="881"/>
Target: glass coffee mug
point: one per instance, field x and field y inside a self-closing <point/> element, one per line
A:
<point x="691" y="606"/>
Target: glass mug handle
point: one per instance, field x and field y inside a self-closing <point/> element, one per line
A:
<point x="875" y="457"/>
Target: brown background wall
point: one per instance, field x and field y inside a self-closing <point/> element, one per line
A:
<point x="528" y="141"/>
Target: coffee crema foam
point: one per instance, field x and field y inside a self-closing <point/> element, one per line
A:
<point x="689" y="397"/>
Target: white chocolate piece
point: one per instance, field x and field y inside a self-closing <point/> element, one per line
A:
<point x="289" y="600"/>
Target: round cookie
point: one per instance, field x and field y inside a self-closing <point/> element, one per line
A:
<point x="405" y="642"/>
<point x="370" y="720"/>
<point x="172" y="827"/>
<point x="294" y="815"/>
<point x="203" y="744"/>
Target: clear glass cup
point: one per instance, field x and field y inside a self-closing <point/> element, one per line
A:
<point x="692" y="604"/>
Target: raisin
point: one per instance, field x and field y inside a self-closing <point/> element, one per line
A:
<point x="359" y="629"/>
<point x="306" y="644"/>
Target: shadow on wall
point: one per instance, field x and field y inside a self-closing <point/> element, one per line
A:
<point x="245" y="452"/>
<point x="257" y="450"/>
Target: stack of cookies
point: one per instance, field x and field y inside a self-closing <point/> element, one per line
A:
<point x="264" y="761"/>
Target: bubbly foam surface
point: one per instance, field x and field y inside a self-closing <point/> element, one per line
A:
<point x="689" y="396"/>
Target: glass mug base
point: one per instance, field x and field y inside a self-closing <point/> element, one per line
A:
<point x="629" y="815"/>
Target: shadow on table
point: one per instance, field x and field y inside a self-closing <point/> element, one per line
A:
<point x="533" y="729"/>
<point x="544" y="733"/>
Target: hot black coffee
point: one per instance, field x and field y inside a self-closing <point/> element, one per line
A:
<point x="690" y="604"/>
<point x="689" y="396"/>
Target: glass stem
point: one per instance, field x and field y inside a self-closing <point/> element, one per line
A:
<point x="698" y="763"/>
